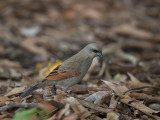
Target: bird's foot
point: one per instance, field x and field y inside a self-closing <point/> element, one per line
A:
<point x="47" y="97"/>
<point x="49" y="92"/>
<point x="54" y="90"/>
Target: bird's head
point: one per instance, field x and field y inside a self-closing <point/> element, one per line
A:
<point x="93" y="50"/>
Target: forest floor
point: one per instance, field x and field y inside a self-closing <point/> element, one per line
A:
<point x="37" y="35"/>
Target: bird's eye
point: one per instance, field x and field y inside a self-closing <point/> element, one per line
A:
<point x="94" y="50"/>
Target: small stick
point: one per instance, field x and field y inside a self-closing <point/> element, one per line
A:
<point x="138" y="88"/>
<point x="19" y="105"/>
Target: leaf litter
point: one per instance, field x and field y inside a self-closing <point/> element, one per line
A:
<point x="37" y="35"/>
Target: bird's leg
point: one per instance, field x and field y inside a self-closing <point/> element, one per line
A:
<point x="49" y="91"/>
<point x="54" y="90"/>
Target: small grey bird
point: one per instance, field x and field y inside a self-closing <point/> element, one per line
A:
<point x="71" y="71"/>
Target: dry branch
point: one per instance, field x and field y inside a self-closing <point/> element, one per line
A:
<point x="19" y="105"/>
<point x="138" y="88"/>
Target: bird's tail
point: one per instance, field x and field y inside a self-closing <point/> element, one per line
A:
<point x="29" y="90"/>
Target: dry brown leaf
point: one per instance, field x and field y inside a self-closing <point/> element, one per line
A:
<point x="113" y="102"/>
<point x="15" y="99"/>
<point x="15" y="91"/>
<point x="96" y="89"/>
<point x="139" y="106"/>
<point x="4" y="115"/>
<point x="123" y="96"/>
<point x="97" y="97"/>
<point x="8" y="63"/>
<point x="31" y="45"/>
<point x="73" y="101"/>
<point x="134" y="79"/>
<point x="3" y="100"/>
<point x="74" y="116"/>
<point x="63" y="111"/>
<point x="118" y="89"/>
<point x="59" y="114"/>
<point x="144" y="96"/>
<point x="48" y="106"/>
<point x="112" y="116"/>
<point x="59" y="97"/>
<point x="75" y="108"/>
<point x="79" y="89"/>
<point x="91" y="13"/>
<point x="135" y="82"/>
<point x="128" y="29"/>
<point x="94" y="106"/>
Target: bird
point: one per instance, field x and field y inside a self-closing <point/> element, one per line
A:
<point x="70" y="72"/>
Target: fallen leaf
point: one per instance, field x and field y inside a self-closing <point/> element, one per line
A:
<point x="135" y="82"/>
<point x="30" y="44"/>
<point x="73" y="101"/>
<point x="74" y="116"/>
<point x="128" y="29"/>
<point x="60" y="113"/>
<point x="112" y="116"/>
<point x="15" y="91"/>
<point x="8" y="63"/>
<point x="97" y="97"/>
<point x="47" y="106"/>
<point x="3" y="100"/>
<point x="118" y="89"/>
<point x="113" y="102"/>
<point x="94" y="106"/>
<point x="139" y="106"/>
<point x="144" y="96"/>
<point x="91" y="13"/>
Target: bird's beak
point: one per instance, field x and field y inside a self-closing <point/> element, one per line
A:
<point x="99" y="54"/>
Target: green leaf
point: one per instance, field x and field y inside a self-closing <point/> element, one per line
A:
<point x="117" y="76"/>
<point x="26" y="114"/>
<point x="31" y="114"/>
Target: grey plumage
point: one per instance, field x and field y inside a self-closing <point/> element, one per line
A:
<point x="71" y="71"/>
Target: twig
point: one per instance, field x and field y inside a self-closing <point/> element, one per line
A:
<point x="19" y="105"/>
<point x="138" y="88"/>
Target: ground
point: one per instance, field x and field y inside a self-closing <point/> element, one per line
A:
<point x="37" y="35"/>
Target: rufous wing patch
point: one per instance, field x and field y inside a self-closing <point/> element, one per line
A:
<point x="59" y="74"/>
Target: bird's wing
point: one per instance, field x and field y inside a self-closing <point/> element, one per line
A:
<point x="60" y="74"/>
